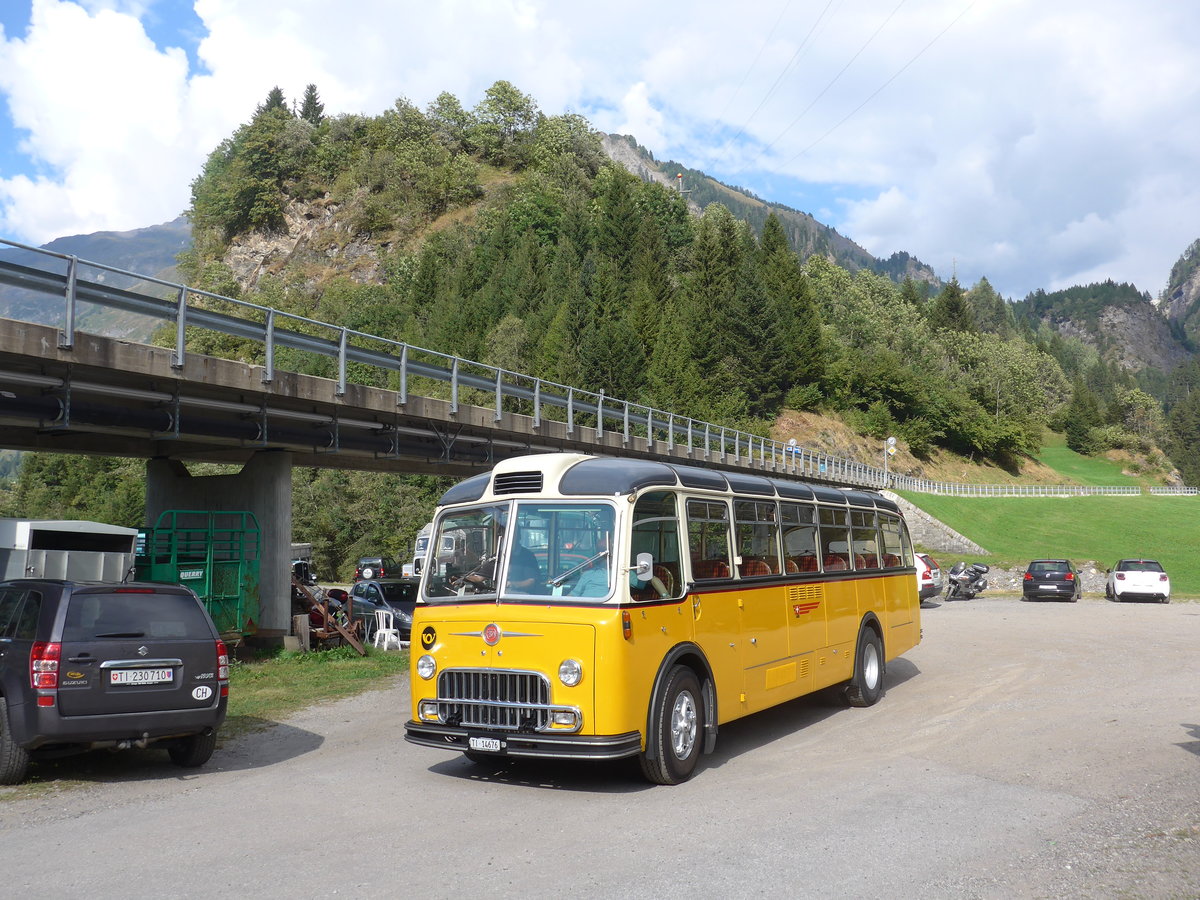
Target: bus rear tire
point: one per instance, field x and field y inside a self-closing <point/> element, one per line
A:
<point x="866" y="687"/>
<point x="676" y="730"/>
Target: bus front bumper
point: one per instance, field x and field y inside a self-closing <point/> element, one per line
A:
<point x="511" y="743"/>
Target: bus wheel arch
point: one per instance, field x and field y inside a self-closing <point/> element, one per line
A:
<point x="865" y="687"/>
<point x="681" y="722"/>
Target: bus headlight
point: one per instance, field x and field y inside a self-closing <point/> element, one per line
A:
<point x="570" y="672"/>
<point x="426" y="666"/>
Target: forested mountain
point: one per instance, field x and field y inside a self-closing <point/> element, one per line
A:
<point x="1122" y="324"/>
<point x="508" y="236"/>
<point x="805" y="234"/>
<point x="146" y="251"/>
<point x="1181" y="299"/>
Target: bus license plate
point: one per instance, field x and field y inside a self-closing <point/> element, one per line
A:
<point x="141" y="676"/>
<point x="492" y="745"/>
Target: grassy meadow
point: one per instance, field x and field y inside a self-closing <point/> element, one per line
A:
<point x="1101" y="529"/>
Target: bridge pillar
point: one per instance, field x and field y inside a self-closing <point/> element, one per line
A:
<point x="263" y="487"/>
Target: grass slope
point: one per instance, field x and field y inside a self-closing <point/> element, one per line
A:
<point x="1090" y="470"/>
<point x="1101" y="529"/>
<point x="1104" y="529"/>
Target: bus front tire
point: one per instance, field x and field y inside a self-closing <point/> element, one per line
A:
<point x="676" y="730"/>
<point x="866" y="687"/>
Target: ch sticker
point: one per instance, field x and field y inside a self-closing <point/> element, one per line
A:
<point x="203" y="692"/>
<point x="428" y="637"/>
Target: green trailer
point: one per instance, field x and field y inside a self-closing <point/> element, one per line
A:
<point x="216" y="554"/>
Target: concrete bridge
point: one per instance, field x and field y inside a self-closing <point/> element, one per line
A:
<point x="387" y="407"/>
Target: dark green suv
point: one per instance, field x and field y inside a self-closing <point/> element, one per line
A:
<point x="86" y="666"/>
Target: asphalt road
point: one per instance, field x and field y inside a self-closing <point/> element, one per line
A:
<point x="1022" y="750"/>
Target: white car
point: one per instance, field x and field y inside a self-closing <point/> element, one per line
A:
<point x="929" y="576"/>
<point x="1138" y="579"/>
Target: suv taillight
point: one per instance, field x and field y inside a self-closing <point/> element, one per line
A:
<point x="43" y="668"/>
<point x="223" y="668"/>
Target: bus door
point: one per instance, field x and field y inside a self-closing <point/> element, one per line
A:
<point x="770" y="676"/>
<point x="804" y="601"/>
<point x="716" y="618"/>
<point x="841" y="597"/>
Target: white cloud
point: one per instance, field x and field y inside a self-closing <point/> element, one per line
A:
<point x="1037" y="144"/>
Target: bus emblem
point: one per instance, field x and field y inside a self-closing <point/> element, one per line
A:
<point x="491" y="635"/>
<point x="801" y="609"/>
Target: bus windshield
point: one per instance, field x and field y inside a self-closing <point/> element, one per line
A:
<point x="525" y="548"/>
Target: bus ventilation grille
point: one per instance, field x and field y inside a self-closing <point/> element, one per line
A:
<point x="518" y="483"/>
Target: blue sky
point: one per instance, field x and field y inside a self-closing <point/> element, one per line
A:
<point x="1037" y="144"/>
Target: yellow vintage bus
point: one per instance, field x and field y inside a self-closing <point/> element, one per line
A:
<point x="580" y="607"/>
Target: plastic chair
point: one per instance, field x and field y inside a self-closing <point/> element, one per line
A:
<point x="385" y="629"/>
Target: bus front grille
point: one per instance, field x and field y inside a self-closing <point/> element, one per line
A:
<point x="494" y="698"/>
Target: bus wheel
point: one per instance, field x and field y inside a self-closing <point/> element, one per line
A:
<point x="866" y="687"/>
<point x="675" y="730"/>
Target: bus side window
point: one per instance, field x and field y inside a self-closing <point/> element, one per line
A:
<point x="708" y="538"/>
<point x="656" y="531"/>
<point x="893" y="547"/>
<point x="835" y="539"/>
<point x="757" y="526"/>
<point x="799" y="537"/>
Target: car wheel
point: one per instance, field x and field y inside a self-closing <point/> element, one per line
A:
<point x="14" y="760"/>
<point x="193" y="751"/>
<point x="368" y="572"/>
<point x="866" y="687"/>
<point x="676" y="726"/>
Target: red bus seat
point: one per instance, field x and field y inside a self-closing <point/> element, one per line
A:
<point x="835" y="562"/>
<point x="710" y="568"/>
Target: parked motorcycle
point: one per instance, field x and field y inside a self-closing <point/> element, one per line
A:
<point x="966" y="582"/>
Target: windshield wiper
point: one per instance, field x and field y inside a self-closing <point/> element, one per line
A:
<point x="557" y="582"/>
<point x="121" y="634"/>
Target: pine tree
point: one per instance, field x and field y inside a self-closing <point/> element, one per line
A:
<point x="951" y="310"/>
<point x="275" y="101"/>
<point x="312" y="109"/>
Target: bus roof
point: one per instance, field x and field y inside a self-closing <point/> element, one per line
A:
<point x="574" y="474"/>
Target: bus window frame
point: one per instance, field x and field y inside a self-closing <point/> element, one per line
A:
<point x="699" y="560"/>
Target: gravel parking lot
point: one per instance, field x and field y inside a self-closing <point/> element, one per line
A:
<point x="1023" y="750"/>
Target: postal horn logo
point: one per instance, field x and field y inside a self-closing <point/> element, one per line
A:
<point x="428" y="637"/>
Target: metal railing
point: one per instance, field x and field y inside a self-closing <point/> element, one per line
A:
<point x="588" y="415"/>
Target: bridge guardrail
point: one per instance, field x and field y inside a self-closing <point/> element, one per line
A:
<point x="400" y="362"/>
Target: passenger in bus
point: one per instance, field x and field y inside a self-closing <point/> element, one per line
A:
<point x="593" y="581"/>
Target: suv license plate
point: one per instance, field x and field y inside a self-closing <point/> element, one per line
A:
<point x="492" y="745"/>
<point x="141" y="676"/>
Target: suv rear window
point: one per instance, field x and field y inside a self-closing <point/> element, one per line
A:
<point x="100" y="616"/>
<point x="395" y="592"/>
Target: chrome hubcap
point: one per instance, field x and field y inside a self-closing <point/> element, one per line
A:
<point x="871" y="666"/>
<point x="683" y="725"/>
